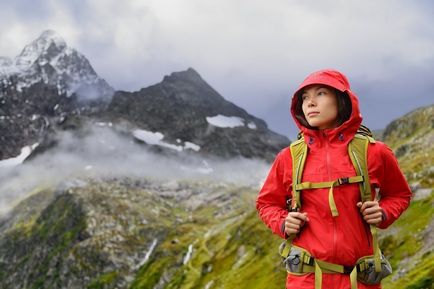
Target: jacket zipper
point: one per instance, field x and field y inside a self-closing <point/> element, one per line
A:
<point x="329" y="178"/>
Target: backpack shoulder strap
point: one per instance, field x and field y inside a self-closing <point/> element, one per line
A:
<point x="298" y="154"/>
<point x="358" y="151"/>
<point x="364" y="130"/>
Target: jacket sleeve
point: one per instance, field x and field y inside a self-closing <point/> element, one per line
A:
<point x="394" y="190"/>
<point x="271" y="201"/>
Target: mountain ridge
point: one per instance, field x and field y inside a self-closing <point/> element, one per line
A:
<point x="181" y="113"/>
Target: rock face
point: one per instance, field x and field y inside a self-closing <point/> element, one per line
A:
<point x="47" y="82"/>
<point x="28" y="116"/>
<point x="183" y="106"/>
<point x="412" y="139"/>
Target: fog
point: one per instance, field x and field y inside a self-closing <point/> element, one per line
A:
<point x="111" y="152"/>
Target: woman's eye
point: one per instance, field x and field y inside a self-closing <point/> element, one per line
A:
<point x="303" y="97"/>
<point x="322" y="92"/>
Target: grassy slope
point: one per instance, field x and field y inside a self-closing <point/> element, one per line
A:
<point x="407" y="249"/>
<point x="233" y="251"/>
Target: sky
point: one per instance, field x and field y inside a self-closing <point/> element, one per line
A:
<point x="254" y="53"/>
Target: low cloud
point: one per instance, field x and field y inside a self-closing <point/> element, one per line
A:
<point x="107" y="153"/>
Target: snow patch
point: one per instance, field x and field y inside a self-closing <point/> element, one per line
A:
<point x="192" y="146"/>
<point x="251" y="125"/>
<point x="25" y="152"/>
<point x="225" y="121"/>
<point x="154" y="138"/>
<point x="102" y="124"/>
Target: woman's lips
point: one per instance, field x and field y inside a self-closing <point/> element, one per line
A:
<point x="313" y="113"/>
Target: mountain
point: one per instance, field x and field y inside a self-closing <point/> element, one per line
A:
<point x="184" y="108"/>
<point x="49" y="60"/>
<point x="50" y="87"/>
<point x="47" y="82"/>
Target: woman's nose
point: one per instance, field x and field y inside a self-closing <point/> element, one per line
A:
<point x="310" y="102"/>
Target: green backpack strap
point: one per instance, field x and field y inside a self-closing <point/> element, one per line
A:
<point x="358" y="152"/>
<point x="298" y="155"/>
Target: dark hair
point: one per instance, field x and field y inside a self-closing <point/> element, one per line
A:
<point x="343" y="103"/>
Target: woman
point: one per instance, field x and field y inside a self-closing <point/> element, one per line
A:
<point x="327" y="113"/>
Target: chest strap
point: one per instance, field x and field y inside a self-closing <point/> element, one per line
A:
<point x="331" y="185"/>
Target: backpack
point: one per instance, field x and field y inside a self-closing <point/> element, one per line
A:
<point x="357" y="150"/>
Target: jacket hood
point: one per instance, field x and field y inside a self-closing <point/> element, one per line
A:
<point x="337" y="80"/>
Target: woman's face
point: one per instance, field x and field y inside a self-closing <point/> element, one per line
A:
<point x="320" y="106"/>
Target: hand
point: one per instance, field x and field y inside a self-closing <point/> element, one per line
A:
<point x="371" y="212"/>
<point x="294" y="221"/>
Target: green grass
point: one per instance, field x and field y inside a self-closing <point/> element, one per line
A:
<point x="102" y="281"/>
<point x="406" y="243"/>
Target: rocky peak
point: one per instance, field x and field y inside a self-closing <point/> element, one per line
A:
<point x="48" y="59"/>
<point x="189" y="86"/>
<point x="45" y="48"/>
<point x="184" y="108"/>
<point x="44" y="85"/>
<point x="189" y="75"/>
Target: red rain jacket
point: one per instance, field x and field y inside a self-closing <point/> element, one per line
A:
<point x="345" y="238"/>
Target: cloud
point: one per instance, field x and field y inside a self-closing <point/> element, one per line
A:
<point x="106" y="153"/>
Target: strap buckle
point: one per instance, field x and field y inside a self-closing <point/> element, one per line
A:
<point x="348" y="269"/>
<point x="344" y="181"/>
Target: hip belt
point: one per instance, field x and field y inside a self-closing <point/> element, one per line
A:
<point x="299" y="261"/>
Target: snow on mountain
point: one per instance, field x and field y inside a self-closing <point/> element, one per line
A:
<point x="49" y="46"/>
<point x="225" y="121"/>
<point x="25" y="152"/>
<point x="48" y="59"/>
<point x="228" y="121"/>
<point x="156" y="138"/>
